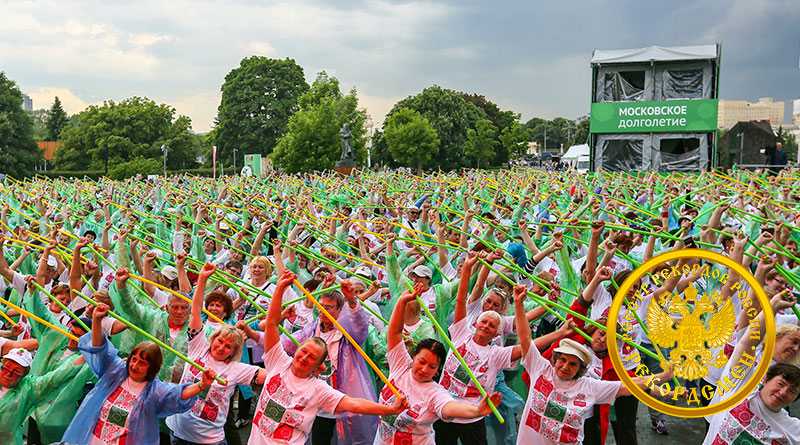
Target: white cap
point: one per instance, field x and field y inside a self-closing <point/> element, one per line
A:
<point x="170" y="272"/>
<point x="423" y="271"/>
<point x="51" y="261"/>
<point x="224" y="226"/>
<point x="571" y="347"/>
<point x="21" y="356"/>
<point x="364" y="271"/>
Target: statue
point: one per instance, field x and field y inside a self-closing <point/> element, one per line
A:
<point x="348" y="157"/>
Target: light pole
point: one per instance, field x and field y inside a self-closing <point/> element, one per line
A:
<point x="741" y="146"/>
<point x="234" y="160"/>
<point x="164" y="150"/>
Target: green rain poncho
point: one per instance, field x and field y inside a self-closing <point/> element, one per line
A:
<point x="20" y="401"/>
<point x="153" y="320"/>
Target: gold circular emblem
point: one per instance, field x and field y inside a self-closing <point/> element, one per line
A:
<point x="691" y="326"/>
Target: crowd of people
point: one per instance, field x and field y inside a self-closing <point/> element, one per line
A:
<point x="383" y="309"/>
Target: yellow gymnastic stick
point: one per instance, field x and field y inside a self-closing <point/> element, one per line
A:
<point x="349" y="338"/>
<point x="37" y="318"/>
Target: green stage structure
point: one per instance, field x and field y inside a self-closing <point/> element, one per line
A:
<point x="655" y="108"/>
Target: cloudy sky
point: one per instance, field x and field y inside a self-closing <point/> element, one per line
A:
<point x="528" y="56"/>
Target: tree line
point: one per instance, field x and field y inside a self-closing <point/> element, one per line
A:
<point x="267" y="107"/>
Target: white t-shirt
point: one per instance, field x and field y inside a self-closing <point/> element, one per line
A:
<point x="205" y="421"/>
<point x="112" y="426"/>
<point x="556" y="409"/>
<point x="752" y="422"/>
<point x="425" y="404"/>
<point x="485" y="362"/>
<point x="288" y="404"/>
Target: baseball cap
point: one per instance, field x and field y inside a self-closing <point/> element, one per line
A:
<point x="51" y="261"/>
<point x="21" y="356"/>
<point x="170" y="272"/>
<point x="422" y="271"/>
<point x="364" y="272"/>
<point x="571" y="347"/>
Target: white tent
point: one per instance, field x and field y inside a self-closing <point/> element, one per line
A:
<point x="575" y="152"/>
<point x="655" y="53"/>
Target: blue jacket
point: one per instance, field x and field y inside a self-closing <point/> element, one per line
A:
<point x="157" y="400"/>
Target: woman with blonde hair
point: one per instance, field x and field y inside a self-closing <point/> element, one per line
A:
<point x="204" y="423"/>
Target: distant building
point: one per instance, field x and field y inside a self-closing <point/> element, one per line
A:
<point x="766" y="109"/>
<point x="796" y="112"/>
<point x="747" y="143"/>
<point x="27" y="103"/>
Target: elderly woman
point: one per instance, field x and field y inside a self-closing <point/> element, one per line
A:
<point x="125" y="405"/>
<point x="472" y="338"/>
<point x="292" y="394"/>
<point x="413" y="375"/>
<point x="561" y="398"/>
<point x="204" y="423"/>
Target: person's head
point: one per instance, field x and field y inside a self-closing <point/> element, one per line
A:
<point x="90" y="235"/>
<point x="496" y="300"/>
<point x="178" y="310"/>
<point x="598" y="343"/>
<point x="412" y="213"/>
<point x="331" y="302"/>
<point x="570" y="359"/>
<point x="779" y="146"/>
<point x="487" y="326"/>
<point x="309" y="357"/>
<point x="787" y="344"/>
<point x="545" y="277"/>
<point x="260" y="268"/>
<point x="774" y="282"/>
<point x="76" y="330"/>
<point x="234" y="268"/>
<point x="169" y="277"/>
<point x="226" y="344"/>
<point x="219" y="304"/>
<point x="209" y="245"/>
<point x="62" y="294"/>
<point x="144" y="362"/>
<point x="428" y="358"/>
<point x="14" y="367"/>
<point x="620" y="278"/>
<point x="781" y="386"/>
<point x="237" y="257"/>
<point x="101" y="296"/>
<point x="52" y="268"/>
<point x="422" y="274"/>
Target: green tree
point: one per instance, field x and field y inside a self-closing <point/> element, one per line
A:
<point x="789" y="142"/>
<point x="501" y="119"/>
<point x="481" y="142"/>
<point x="410" y="139"/>
<point x="39" y="118"/>
<point x="56" y="120"/>
<point x="134" y="128"/>
<point x="514" y="140"/>
<point x="581" y="132"/>
<point x="312" y="140"/>
<point x="18" y="151"/>
<point x="258" y="98"/>
<point x="137" y="166"/>
<point x="450" y="115"/>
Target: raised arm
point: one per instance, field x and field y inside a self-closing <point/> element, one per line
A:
<point x="196" y="323"/>
<point x="184" y="284"/>
<point x="394" y="335"/>
<point x="594" y="241"/>
<point x="463" y="286"/>
<point x="272" y="335"/>
<point x="75" y="270"/>
<point x="523" y="327"/>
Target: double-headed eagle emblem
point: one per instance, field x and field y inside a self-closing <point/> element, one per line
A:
<point x="702" y="325"/>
